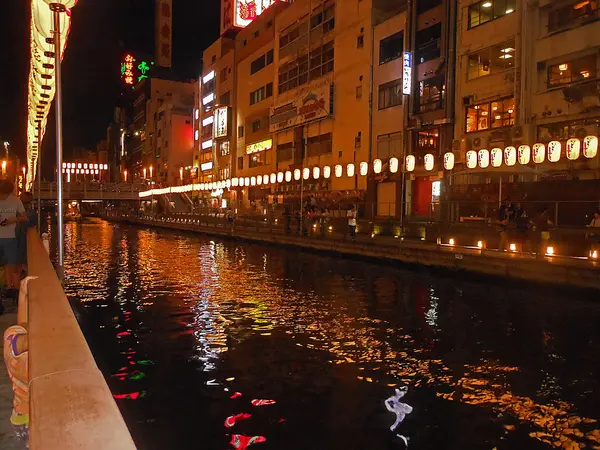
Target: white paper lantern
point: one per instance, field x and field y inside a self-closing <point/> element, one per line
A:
<point x="377" y="166"/>
<point x="364" y="168"/>
<point x="590" y="146"/>
<point x="510" y="156"/>
<point x="524" y="154"/>
<point x="484" y="158"/>
<point x="573" y="149"/>
<point x="496" y="156"/>
<point x="471" y="157"/>
<point x="350" y="170"/>
<point x="449" y="161"/>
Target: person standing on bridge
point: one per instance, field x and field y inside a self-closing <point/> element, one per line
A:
<point x="11" y="212"/>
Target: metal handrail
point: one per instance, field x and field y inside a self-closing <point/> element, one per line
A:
<point x="71" y="406"/>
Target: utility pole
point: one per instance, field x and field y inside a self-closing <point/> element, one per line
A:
<point x="57" y="9"/>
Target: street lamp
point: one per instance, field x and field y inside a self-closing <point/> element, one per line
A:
<point x="151" y="169"/>
<point x="144" y="172"/>
<point x="181" y="174"/>
<point x="4" y="167"/>
<point x="125" y="175"/>
<point x="6" y="145"/>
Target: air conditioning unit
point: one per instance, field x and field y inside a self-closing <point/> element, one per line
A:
<point x="581" y="133"/>
<point x="460" y="147"/>
<point x="480" y="142"/>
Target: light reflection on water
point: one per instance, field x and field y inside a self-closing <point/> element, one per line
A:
<point x="179" y="323"/>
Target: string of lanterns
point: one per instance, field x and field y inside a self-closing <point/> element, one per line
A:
<point x="41" y="85"/>
<point x="483" y="158"/>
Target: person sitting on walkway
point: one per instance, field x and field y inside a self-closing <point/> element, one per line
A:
<point x="11" y="212"/>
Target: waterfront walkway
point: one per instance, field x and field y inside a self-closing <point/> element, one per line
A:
<point x="570" y="271"/>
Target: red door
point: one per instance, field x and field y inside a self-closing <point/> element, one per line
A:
<point x="421" y="196"/>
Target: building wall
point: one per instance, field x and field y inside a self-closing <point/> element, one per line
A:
<point x="391" y="119"/>
<point x="219" y="59"/>
<point x="498" y="84"/>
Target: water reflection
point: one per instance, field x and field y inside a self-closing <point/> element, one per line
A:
<point x="181" y="324"/>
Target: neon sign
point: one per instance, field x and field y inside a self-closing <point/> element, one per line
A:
<point x="132" y="72"/>
<point x="127" y="69"/>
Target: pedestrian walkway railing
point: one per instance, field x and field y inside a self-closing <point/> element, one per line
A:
<point x="71" y="406"/>
<point x="566" y="242"/>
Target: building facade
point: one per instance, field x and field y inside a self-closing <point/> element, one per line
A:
<point x="413" y="103"/>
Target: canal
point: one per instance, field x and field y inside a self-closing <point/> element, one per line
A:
<point x="215" y="344"/>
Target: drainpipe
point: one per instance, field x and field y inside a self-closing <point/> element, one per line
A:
<point x="406" y="106"/>
<point x="451" y="71"/>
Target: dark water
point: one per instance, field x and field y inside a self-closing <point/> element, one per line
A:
<point x="181" y="323"/>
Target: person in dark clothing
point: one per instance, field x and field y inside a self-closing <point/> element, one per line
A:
<point x="542" y="228"/>
<point x="505" y="214"/>
<point x="523" y="225"/>
<point x="287" y="220"/>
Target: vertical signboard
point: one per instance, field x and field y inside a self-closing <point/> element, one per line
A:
<point x="406" y="73"/>
<point x="164" y="32"/>
<point x="221" y="121"/>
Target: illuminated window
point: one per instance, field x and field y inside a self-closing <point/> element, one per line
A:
<point x="572" y="14"/>
<point x="391" y="47"/>
<point x="487" y="10"/>
<point x="568" y="72"/>
<point x="485" y="116"/>
<point x="432" y="93"/>
<point x="258" y="159"/>
<point x="495" y="59"/>
<point x="390" y="94"/>
<point x="428" y="141"/>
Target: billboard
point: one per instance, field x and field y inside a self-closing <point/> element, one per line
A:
<point x="245" y="11"/>
<point x="312" y="104"/>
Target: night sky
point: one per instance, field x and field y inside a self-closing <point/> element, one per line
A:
<point x="101" y="32"/>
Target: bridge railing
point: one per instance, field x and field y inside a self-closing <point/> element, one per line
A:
<point x="94" y="187"/>
<point x="71" y="406"/>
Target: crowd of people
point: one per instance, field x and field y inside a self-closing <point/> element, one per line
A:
<point x="525" y="229"/>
